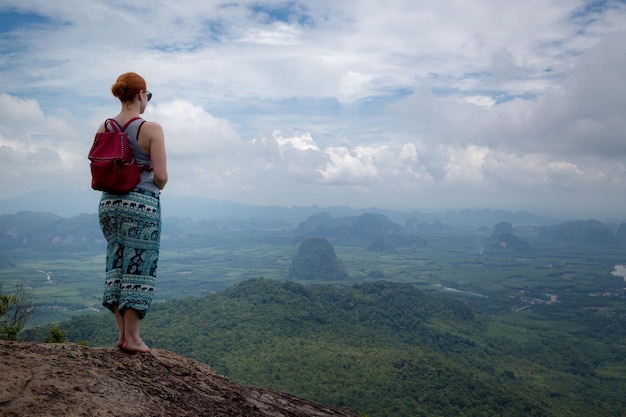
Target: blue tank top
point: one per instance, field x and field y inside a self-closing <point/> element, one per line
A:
<point x="142" y="158"/>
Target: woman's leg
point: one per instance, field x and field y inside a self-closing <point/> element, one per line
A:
<point x="139" y="239"/>
<point x="132" y="341"/>
<point x="120" y="325"/>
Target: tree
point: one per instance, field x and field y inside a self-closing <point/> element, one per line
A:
<point x="56" y="336"/>
<point x="14" y="312"/>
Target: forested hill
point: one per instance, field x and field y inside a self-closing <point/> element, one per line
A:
<point x="380" y="348"/>
<point x="48" y="232"/>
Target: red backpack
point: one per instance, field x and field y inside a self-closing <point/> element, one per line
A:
<point x="113" y="166"/>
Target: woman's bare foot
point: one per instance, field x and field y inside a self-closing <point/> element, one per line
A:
<point x="132" y="342"/>
<point x="137" y="347"/>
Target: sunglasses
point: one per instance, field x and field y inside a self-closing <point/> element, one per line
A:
<point x="149" y="94"/>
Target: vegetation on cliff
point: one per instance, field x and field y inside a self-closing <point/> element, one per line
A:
<point x="388" y="349"/>
<point x="316" y="261"/>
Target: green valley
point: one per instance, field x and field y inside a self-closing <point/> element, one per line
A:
<point x="431" y="319"/>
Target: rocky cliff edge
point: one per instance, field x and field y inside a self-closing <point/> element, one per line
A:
<point x="70" y="380"/>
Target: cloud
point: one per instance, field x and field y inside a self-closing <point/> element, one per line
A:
<point x="38" y="151"/>
<point x="465" y="165"/>
<point x="345" y="167"/>
<point x="406" y="104"/>
<point x="194" y="132"/>
<point x="585" y="114"/>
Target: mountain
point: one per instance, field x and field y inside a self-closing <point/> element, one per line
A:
<point x="367" y="225"/>
<point x="316" y="260"/>
<point x="71" y="380"/>
<point x="380" y="233"/>
<point x="46" y="231"/>
<point x="375" y="231"/>
<point x="505" y="239"/>
<point x="68" y="204"/>
<point x="580" y="231"/>
<point x="620" y="234"/>
<point x="510" y="241"/>
<point x="73" y="203"/>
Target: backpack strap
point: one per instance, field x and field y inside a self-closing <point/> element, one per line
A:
<point x="116" y="125"/>
<point x="130" y="121"/>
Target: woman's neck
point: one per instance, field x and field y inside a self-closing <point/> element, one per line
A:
<point x="128" y="111"/>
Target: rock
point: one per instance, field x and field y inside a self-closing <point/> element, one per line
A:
<point x="316" y="260"/>
<point x="69" y="380"/>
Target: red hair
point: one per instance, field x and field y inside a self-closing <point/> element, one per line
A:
<point x="127" y="86"/>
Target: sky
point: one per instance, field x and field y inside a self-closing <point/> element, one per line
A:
<point x="408" y="105"/>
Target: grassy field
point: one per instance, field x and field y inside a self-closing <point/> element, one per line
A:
<point x="457" y="262"/>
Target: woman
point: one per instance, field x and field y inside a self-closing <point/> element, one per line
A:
<point x="131" y="223"/>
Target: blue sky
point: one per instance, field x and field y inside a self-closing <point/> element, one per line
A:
<point x="407" y="105"/>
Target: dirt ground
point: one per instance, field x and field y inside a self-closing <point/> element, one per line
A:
<point x="71" y="380"/>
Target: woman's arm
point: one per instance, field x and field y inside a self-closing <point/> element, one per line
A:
<point x="156" y="137"/>
<point x="100" y="128"/>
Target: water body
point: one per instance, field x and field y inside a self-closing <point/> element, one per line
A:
<point x="443" y="287"/>
<point x="619" y="271"/>
<point x="48" y="276"/>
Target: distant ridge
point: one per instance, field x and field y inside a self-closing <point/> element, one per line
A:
<point x="73" y="203"/>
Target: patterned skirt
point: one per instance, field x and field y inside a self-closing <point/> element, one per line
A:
<point x="131" y="224"/>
